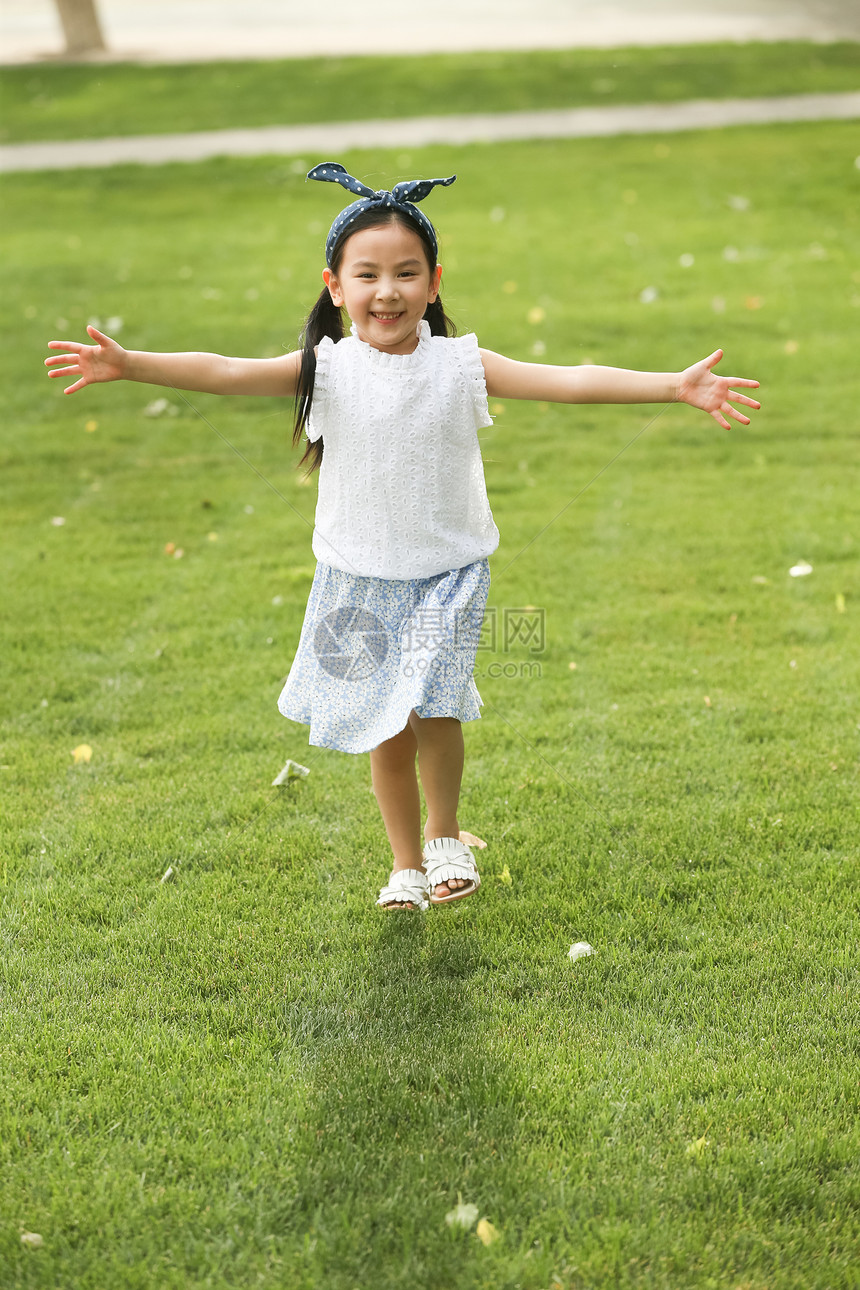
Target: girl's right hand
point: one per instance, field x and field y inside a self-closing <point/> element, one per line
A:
<point x="104" y="361"/>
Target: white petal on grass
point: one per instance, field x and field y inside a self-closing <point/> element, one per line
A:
<point x="800" y="570"/>
<point x="58" y="521"/>
<point x="113" y="325"/>
<point x="32" y="1240"/>
<point x="687" y="260"/>
<point x="497" y="214"/>
<point x="462" y="1215"/>
<point x="156" y="408"/>
<point x="718" y="304"/>
<point x="648" y="295"/>
<point x="292" y="770"/>
<point x="739" y="203"/>
<point x="731" y="253"/>
<point x="539" y="349"/>
<point x="580" y="950"/>
<point x="168" y="874"/>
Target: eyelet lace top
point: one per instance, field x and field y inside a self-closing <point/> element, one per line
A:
<point x="401" y="486"/>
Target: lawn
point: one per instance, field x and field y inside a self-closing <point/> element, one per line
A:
<point x="85" y="101"/>
<point x="248" y="1075"/>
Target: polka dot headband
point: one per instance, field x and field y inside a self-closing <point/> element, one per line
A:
<point x="400" y="198"/>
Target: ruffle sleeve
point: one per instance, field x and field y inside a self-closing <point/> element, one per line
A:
<point x="473" y="370"/>
<point x="314" y="426"/>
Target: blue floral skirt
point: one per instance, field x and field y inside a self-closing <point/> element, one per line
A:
<point x="373" y="649"/>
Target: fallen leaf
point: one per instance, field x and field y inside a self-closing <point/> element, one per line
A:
<point x="91" y="426"/>
<point x="169" y="873"/>
<point x="573" y="666"/>
<point x="213" y="537"/>
<point x="470" y="840"/>
<point x="580" y="950"/>
<point x="461" y="1215"/>
<point x="753" y="302"/>
<point x="760" y="580"/>
<point x="32" y="1240"/>
<point x="83" y="752"/>
<point x="505" y="877"/>
<point x="486" y="1233"/>
<point x="707" y="701"/>
<point x="178" y="553"/>
<point x="699" y="1146"/>
<point x="169" y="548"/>
<point x="509" y="288"/>
<point x="58" y="521"/>
<point x="840" y="603"/>
<point x="536" y="315"/>
<point x="292" y="770"/>
<point x="791" y="347"/>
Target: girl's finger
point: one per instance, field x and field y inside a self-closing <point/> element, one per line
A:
<point x="713" y="359"/>
<point x="71" y="345"/>
<point x="742" y="380"/>
<point x="70" y="389"/>
<point x="742" y="398"/>
<point x="60" y="358"/>
<point x="66" y="371"/>
<point x="98" y="335"/>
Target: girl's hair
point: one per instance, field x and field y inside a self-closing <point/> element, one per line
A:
<point x="326" y="319"/>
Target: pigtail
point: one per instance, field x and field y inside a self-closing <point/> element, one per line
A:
<point x="325" y="319"/>
<point x="440" y="323"/>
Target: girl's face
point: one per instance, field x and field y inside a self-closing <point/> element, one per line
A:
<point x="384" y="282"/>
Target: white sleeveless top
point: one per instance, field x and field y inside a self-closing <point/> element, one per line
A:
<point x="401" y="486"/>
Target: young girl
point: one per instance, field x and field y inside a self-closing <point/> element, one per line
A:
<point x="390" y="415"/>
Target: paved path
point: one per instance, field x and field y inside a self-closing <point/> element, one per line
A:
<point x="317" y="141"/>
<point x="189" y="30"/>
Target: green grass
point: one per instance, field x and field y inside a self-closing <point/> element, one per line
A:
<point x="70" y="102"/>
<point x="250" y="1076"/>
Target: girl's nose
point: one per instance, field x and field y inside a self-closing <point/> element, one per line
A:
<point x="386" y="290"/>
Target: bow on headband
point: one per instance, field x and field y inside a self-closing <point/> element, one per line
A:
<point x="401" y="197"/>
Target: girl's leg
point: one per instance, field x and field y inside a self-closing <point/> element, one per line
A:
<point x="440" y="762"/>
<point x="392" y="770"/>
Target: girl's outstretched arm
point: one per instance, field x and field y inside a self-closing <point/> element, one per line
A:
<point x="697" y="385"/>
<point x="210" y="373"/>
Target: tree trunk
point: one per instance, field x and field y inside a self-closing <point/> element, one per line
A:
<point x="81" y="26"/>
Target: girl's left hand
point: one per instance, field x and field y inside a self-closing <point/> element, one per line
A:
<point x="702" y="388"/>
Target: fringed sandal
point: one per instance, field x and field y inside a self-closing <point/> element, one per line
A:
<point x="447" y="858"/>
<point x="405" y="887"/>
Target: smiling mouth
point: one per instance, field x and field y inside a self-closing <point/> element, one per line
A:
<point x="385" y="317"/>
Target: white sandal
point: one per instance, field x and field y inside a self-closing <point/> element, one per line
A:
<point x="446" y="858"/>
<point x="405" y="886"/>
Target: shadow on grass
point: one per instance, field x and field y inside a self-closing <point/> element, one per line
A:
<point x="409" y="1107"/>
